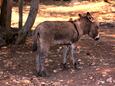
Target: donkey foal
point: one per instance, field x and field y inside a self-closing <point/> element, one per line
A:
<point x="52" y="33"/>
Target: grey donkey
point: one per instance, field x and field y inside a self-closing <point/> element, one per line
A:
<point x="66" y="33"/>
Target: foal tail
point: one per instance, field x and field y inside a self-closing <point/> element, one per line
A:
<point x="35" y="41"/>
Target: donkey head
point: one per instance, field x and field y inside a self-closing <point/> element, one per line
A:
<point x="94" y="32"/>
<point x="88" y="26"/>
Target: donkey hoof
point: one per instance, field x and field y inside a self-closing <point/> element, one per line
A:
<point x="42" y="74"/>
<point x="76" y="66"/>
<point x="64" y="66"/>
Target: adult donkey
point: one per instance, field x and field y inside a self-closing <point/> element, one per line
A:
<point x="51" y="33"/>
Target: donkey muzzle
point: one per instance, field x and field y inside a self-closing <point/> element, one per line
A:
<point x="97" y="37"/>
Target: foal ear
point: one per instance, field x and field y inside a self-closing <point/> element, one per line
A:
<point x="88" y="14"/>
<point x="79" y="15"/>
<point x="70" y="19"/>
<point x="75" y="20"/>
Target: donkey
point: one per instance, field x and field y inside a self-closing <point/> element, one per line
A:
<point x="66" y="33"/>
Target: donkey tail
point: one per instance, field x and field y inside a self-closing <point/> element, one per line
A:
<point x="35" y="41"/>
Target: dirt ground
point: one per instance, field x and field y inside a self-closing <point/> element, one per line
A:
<point x="97" y="59"/>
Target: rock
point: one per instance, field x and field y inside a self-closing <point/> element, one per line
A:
<point x="55" y="71"/>
<point x="100" y="82"/>
<point x="109" y="80"/>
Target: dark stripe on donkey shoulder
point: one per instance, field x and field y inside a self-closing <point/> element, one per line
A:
<point x="75" y="28"/>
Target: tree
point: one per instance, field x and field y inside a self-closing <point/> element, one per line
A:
<point x="6" y="34"/>
<point x="5" y="21"/>
<point x="5" y="16"/>
<point x="110" y="1"/>
<point x="29" y="23"/>
<point x="1" y="3"/>
<point x="20" y="13"/>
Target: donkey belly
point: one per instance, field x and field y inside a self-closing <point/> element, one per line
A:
<point x="62" y="42"/>
<point x="62" y="39"/>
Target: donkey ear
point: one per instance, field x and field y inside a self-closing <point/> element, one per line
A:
<point x="75" y="20"/>
<point x="88" y="14"/>
<point x="79" y="15"/>
<point x="70" y="19"/>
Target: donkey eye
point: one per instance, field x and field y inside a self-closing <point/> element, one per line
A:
<point x="89" y="18"/>
<point x="96" y="27"/>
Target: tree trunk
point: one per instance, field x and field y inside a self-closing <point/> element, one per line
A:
<point x="8" y="15"/>
<point x="29" y="23"/>
<point x="1" y="3"/>
<point x="110" y="1"/>
<point x="6" y="35"/>
<point x="3" y="13"/>
<point x="5" y="17"/>
<point x="20" y="14"/>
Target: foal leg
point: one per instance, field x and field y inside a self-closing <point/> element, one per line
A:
<point x="65" y="54"/>
<point x="74" y="56"/>
<point x="40" y="61"/>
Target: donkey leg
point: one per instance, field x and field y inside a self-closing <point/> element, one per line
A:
<point x="41" y="62"/>
<point x="42" y="71"/>
<point x="65" y="54"/>
<point x="74" y="56"/>
<point x="38" y="65"/>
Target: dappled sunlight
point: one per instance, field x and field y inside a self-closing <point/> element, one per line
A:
<point x="96" y="58"/>
<point x="92" y="7"/>
<point x="64" y="13"/>
<point x="105" y="71"/>
<point x="109" y="35"/>
<point x="42" y="19"/>
<point x="15" y="15"/>
<point x="107" y="17"/>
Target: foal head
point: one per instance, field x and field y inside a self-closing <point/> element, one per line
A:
<point x="88" y="26"/>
